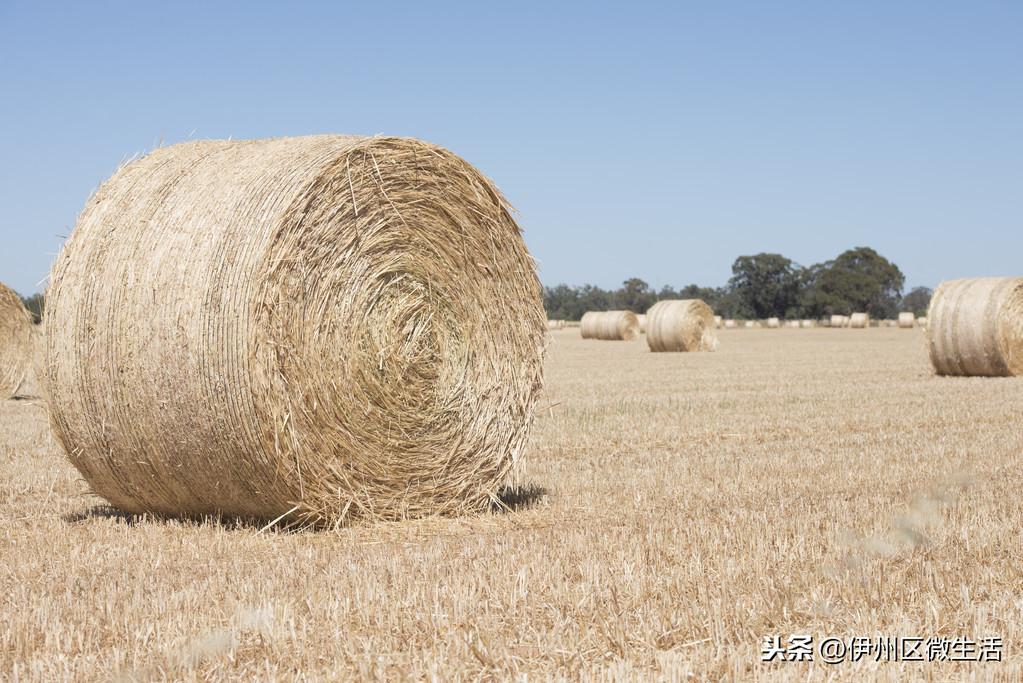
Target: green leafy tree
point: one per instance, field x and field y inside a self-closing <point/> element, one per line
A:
<point x="859" y="279"/>
<point x="635" y="295"/>
<point x="765" y="285"/>
<point x="918" y="300"/>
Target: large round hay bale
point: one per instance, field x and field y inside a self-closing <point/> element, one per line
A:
<point x="907" y="321"/>
<point x="837" y="321"/>
<point x="590" y="324"/>
<point x="316" y="328"/>
<point x="773" y="323"/>
<point x="859" y="321"/>
<point x="975" y="327"/>
<point x="641" y="319"/>
<point x="15" y="342"/>
<point x="681" y="325"/>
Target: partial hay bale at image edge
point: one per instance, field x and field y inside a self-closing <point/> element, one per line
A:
<point x="16" y="336"/>
<point x="681" y="325"/>
<point x="316" y="353"/>
<point x="975" y="327"/>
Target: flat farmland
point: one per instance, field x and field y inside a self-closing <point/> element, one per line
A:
<point x="671" y="511"/>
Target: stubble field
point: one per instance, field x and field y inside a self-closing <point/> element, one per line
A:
<point x="673" y="510"/>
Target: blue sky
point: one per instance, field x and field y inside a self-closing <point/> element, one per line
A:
<point x="652" y="140"/>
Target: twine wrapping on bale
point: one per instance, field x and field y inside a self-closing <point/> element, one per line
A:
<point x="681" y="325"/>
<point x="310" y="329"/>
<point x="907" y="320"/>
<point x="975" y="327"/>
<point x="859" y="321"/>
<point x="15" y="342"/>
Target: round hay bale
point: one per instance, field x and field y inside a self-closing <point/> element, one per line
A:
<point x="922" y="321"/>
<point x="729" y="324"/>
<point x="618" y="326"/>
<point x="31" y="385"/>
<point x="907" y="321"/>
<point x="590" y="324"/>
<point x="641" y="319"/>
<point x="808" y="323"/>
<point x="839" y="321"/>
<point x="975" y="327"/>
<point x="315" y="329"/>
<point x="718" y="322"/>
<point x="15" y="342"/>
<point x="859" y="321"/>
<point x="773" y="323"/>
<point x="681" y="325"/>
<point x="794" y="324"/>
<point x="749" y="324"/>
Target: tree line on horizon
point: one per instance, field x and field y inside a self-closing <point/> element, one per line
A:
<point x="766" y="286"/>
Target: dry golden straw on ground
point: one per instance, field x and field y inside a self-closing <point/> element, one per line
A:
<point x="681" y="325"/>
<point x="907" y="320"/>
<point x="15" y="342"/>
<point x="975" y="327"/>
<point x="316" y="328"/>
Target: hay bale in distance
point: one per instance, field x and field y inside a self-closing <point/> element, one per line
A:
<point x="641" y="319"/>
<point x="808" y="323"/>
<point x="773" y="323"/>
<point x="589" y="324"/>
<point x="838" y="321"/>
<point x="681" y="325"/>
<point x="975" y="327"/>
<point x="922" y="321"/>
<point x="718" y="322"/>
<point x="344" y="328"/>
<point x="730" y="324"/>
<point x="619" y="326"/>
<point x="859" y="321"/>
<point x="31" y="385"/>
<point x="907" y="320"/>
<point x="15" y="342"/>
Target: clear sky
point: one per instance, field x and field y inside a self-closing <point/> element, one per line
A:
<point x="658" y="140"/>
